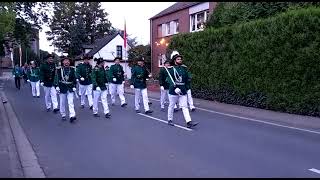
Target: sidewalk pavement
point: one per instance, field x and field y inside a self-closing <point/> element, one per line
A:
<point x="285" y="119"/>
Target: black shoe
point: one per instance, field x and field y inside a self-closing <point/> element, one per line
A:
<point x="91" y="107"/>
<point x="107" y="115"/>
<point x="64" y="118"/>
<point x="34" y="96"/>
<point x="193" y="109"/>
<point x="72" y="119"/>
<point x="38" y="96"/>
<point x="82" y="106"/>
<point x="138" y="111"/>
<point x="124" y="104"/>
<point x="56" y="110"/>
<point x="96" y="115"/>
<point x="175" y="110"/>
<point x="149" y="103"/>
<point x="162" y="109"/>
<point x="191" y="124"/>
<point x="48" y="109"/>
<point x="170" y="123"/>
<point x="148" y="112"/>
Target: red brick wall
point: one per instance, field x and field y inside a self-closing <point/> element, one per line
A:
<point x="184" y="27"/>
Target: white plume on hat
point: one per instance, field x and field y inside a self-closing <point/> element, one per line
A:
<point x="32" y="62"/>
<point x="174" y="53"/>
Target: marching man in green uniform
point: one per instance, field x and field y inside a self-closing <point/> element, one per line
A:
<point x="33" y="74"/>
<point x="84" y="71"/>
<point x="17" y="74"/>
<point x="178" y="77"/>
<point x="139" y="74"/>
<point x="65" y="83"/>
<point x="116" y="75"/>
<point x="47" y="75"/>
<point x="99" y="82"/>
<point x="164" y="85"/>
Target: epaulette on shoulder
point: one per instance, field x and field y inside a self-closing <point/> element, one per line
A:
<point x="58" y="67"/>
<point x="169" y="67"/>
<point x="184" y="66"/>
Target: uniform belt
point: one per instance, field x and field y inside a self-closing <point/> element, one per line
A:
<point x="66" y="82"/>
<point x="180" y="83"/>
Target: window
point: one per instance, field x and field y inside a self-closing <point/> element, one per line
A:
<point x="197" y="20"/>
<point x="176" y="26"/>
<point x="168" y="32"/>
<point x="161" y="59"/>
<point x="160" y="31"/>
<point x="119" y="51"/>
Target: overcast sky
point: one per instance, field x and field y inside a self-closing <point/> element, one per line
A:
<point x="137" y="16"/>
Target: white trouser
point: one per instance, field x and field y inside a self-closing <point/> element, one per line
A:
<point x="69" y="97"/>
<point x="173" y="99"/>
<point x="96" y="95"/>
<point x="117" y="88"/>
<point x="163" y="96"/>
<point x="190" y="100"/>
<point x="144" y="94"/>
<point x="35" y="88"/>
<point x="86" y="90"/>
<point x="50" y="95"/>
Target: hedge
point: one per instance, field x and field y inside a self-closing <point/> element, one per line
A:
<point x="271" y="63"/>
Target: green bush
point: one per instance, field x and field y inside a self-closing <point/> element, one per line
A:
<point x="229" y="13"/>
<point x="272" y="63"/>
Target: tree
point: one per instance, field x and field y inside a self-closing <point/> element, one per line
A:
<point x="77" y="23"/>
<point x="138" y="52"/>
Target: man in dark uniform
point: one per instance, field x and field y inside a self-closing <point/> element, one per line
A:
<point x="139" y="74"/>
<point x="84" y="71"/>
<point x="99" y="81"/>
<point x="65" y="83"/>
<point x="17" y="74"/>
<point x="178" y="77"/>
<point x="33" y="74"/>
<point x="164" y="85"/>
<point x="47" y="75"/>
<point x="116" y="75"/>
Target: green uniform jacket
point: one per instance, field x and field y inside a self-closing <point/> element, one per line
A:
<point x="65" y="79"/>
<point x="17" y="71"/>
<point x="84" y="71"/>
<point x="99" y="78"/>
<point x="139" y="77"/>
<point x="47" y="73"/>
<point x="33" y="74"/>
<point x="163" y="74"/>
<point x="116" y="71"/>
<point x="182" y="71"/>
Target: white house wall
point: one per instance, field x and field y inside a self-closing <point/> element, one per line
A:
<point x="105" y="52"/>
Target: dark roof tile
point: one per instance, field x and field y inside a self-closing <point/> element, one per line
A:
<point x="175" y="7"/>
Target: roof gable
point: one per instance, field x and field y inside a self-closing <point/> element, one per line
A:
<point x="174" y="8"/>
<point x="100" y="43"/>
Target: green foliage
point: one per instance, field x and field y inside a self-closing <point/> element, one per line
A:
<point x="229" y="13"/>
<point x="77" y="23"/>
<point x="138" y="52"/>
<point x="271" y="63"/>
<point x="7" y="21"/>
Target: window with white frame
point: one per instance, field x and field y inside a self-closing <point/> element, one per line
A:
<point x="168" y="28"/>
<point x="197" y="20"/>
<point x="161" y="59"/>
<point x="119" y="51"/>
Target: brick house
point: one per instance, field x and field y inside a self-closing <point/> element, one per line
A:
<point x="181" y="17"/>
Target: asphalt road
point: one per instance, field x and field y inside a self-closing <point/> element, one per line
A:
<point x="135" y="145"/>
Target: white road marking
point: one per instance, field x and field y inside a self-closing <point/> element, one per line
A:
<point x="315" y="170"/>
<point x="251" y="119"/>
<point x="178" y="126"/>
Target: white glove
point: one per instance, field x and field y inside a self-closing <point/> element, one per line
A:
<point x="177" y="90"/>
<point x="150" y="75"/>
<point x="162" y="88"/>
<point x="123" y="82"/>
<point x="82" y="79"/>
<point x="74" y="89"/>
<point x="98" y="89"/>
<point x="13" y="76"/>
<point x="131" y="86"/>
<point x="42" y="84"/>
<point x="114" y="79"/>
<point x="77" y="80"/>
<point x="58" y="89"/>
<point x="106" y="84"/>
<point x="28" y="80"/>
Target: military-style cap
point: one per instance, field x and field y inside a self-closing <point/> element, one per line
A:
<point x="99" y="60"/>
<point x="176" y="56"/>
<point x="117" y="58"/>
<point x="49" y="55"/>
